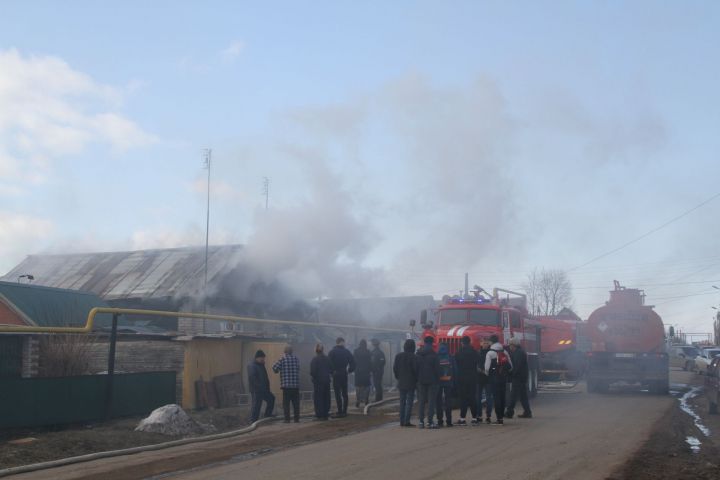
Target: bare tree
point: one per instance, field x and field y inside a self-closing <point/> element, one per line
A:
<point x="548" y="291"/>
<point x="65" y="355"/>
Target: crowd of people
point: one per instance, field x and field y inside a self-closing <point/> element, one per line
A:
<point x="469" y="375"/>
<point x="436" y="377"/>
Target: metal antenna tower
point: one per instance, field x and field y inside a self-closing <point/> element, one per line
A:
<point x="207" y="164"/>
<point x="266" y="190"/>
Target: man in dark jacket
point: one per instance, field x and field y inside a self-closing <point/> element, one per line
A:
<point x="321" y="372"/>
<point x="343" y="363"/>
<point x="428" y="380"/>
<point x="484" y="386"/>
<point x="363" y="366"/>
<point x="259" y="384"/>
<point x="518" y="380"/>
<point x="405" y="369"/>
<point x="377" y="357"/>
<point x="466" y="360"/>
<point x="377" y="360"/>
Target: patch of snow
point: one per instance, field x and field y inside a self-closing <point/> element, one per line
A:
<point x="685" y="407"/>
<point x="172" y="420"/>
<point x="694" y="444"/>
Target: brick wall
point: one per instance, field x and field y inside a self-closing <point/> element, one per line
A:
<point x="30" y="356"/>
<point x="8" y="316"/>
<point x="141" y="355"/>
<point x="190" y="326"/>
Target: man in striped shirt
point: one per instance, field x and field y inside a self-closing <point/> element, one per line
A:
<point x="289" y="369"/>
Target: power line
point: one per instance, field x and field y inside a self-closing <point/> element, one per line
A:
<point x="647" y="234"/>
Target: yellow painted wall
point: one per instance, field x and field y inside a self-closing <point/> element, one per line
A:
<point x="207" y="359"/>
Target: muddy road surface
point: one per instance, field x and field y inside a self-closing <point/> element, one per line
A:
<point x="573" y="435"/>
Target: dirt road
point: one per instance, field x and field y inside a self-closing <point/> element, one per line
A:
<point x="573" y="435"/>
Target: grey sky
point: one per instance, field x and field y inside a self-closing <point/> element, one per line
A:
<point x="406" y="143"/>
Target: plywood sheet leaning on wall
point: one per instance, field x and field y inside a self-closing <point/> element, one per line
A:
<point x="228" y="388"/>
<point x="206" y="359"/>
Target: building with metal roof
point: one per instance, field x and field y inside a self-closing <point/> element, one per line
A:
<point x="146" y="274"/>
<point x="38" y="306"/>
<point x="170" y="279"/>
<point x="33" y="305"/>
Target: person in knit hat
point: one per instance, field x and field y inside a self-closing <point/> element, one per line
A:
<point x="377" y="357"/>
<point x="428" y="380"/>
<point x="259" y="384"/>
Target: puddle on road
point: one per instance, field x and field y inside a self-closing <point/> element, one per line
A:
<point x="694" y="444"/>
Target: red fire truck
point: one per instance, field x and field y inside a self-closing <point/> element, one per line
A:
<point x="561" y="354"/>
<point x="479" y="316"/>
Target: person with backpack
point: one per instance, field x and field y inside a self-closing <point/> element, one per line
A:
<point x="321" y="372"/>
<point x="484" y="386"/>
<point x="518" y="380"/>
<point x="466" y="360"/>
<point x="405" y="368"/>
<point x="363" y="366"/>
<point x="377" y="357"/>
<point x="343" y="363"/>
<point x="498" y="365"/>
<point x="428" y="380"/>
<point x="446" y="385"/>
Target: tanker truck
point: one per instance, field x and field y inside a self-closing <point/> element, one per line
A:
<point x="627" y="344"/>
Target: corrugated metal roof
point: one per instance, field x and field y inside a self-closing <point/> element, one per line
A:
<point x="157" y="273"/>
<point x="51" y="307"/>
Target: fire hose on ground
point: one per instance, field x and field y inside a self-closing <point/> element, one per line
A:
<point x="158" y="446"/>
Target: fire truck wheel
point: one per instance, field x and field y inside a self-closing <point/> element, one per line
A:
<point x="596" y="386"/>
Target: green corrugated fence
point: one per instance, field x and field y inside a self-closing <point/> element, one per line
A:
<point x="30" y="402"/>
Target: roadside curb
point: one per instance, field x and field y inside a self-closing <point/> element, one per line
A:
<point x="129" y="451"/>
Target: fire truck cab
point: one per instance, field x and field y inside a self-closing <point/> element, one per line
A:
<point x="478" y="317"/>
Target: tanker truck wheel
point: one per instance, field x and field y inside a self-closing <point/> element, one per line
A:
<point x="596" y="386"/>
<point x="660" y="388"/>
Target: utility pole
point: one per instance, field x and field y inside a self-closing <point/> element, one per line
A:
<point x="207" y="164"/>
<point x="266" y="191"/>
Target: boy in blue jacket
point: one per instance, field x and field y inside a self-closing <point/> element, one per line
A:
<point x="447" y="385"/>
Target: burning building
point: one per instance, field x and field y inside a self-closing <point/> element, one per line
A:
<point x="173" y="279"/>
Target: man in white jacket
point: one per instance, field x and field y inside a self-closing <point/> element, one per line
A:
<point x="497" y="366"/>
